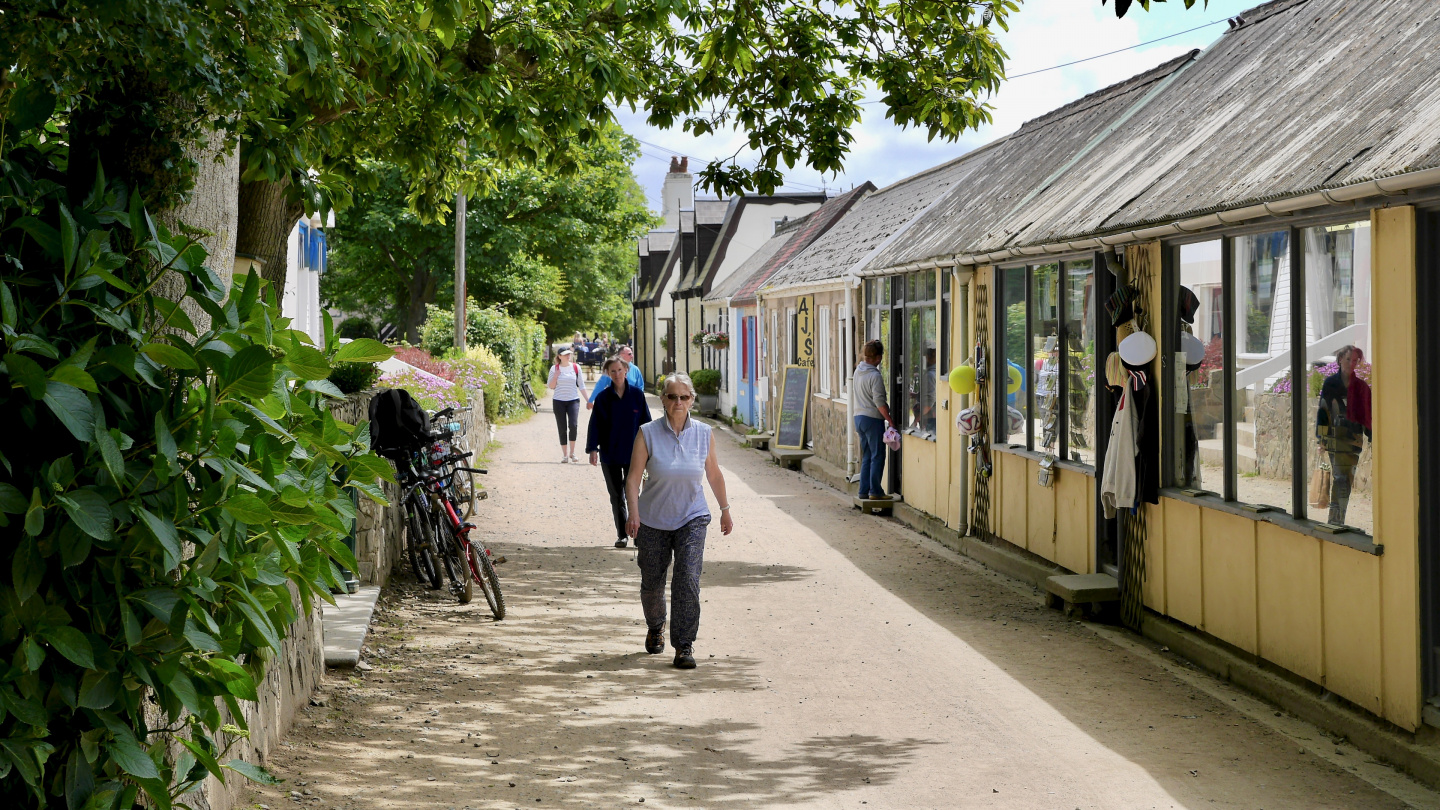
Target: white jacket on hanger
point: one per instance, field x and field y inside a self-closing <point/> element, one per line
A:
<point x="1118" y="483"/>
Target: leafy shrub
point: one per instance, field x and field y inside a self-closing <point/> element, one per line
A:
<point x="352" y="378"/>
<point x="519" y="343"/>
<point x="432" y="392"/>
<point x="479" y="363"/>
<point x="707" y="381"/>
<point x="422" y="359"/>
<point x="449" y="382"/>
<point x="357" y="327"/>
<point x="170" y="488"/>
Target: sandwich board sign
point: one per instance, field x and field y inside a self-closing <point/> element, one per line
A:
<point x="794" y="397"/>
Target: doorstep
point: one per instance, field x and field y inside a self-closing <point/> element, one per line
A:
<point x="346" y="623"/>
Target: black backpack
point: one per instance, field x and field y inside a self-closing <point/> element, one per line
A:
<point x="397" y="422"/>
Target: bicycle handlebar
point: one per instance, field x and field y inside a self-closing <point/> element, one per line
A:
<point x="473" y="470"/>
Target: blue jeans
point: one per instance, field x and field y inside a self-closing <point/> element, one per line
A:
<point x="872" y="454"/>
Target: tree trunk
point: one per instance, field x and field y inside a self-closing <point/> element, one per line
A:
<point x="267" y="215"/>
<point x="422" y="291"/>
<point x="211" y="206"/>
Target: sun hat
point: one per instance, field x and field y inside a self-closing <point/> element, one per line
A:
<point x="1138" y="349"/>
<point x="1194" y="349"/>
<point x="567" y="350"/>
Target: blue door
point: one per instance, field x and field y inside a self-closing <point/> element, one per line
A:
<point x="745" y="392"/>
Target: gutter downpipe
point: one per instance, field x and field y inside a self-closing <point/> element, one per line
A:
<point x="1394" y="184"/>
<point x="850" y="296"/>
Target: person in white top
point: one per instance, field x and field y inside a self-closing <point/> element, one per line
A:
<point x="569" y="386"/>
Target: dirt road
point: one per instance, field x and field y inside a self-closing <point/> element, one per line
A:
<point x="843" y="662"/>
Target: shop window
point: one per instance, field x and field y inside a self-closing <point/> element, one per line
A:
<point x="822" y="364"/>
<point x="1048" y="359"/>
<point x="944" y="323"/>
<point x="1014" y="376"/>
<point x="921" y="353"/>
<point x="1242" y="406"/>
<point x="845" y="339"/>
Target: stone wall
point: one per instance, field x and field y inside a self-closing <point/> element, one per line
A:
<point x="827" y="428"/>
<point x="293" y="675"/>
<point x="1272" y="439"/>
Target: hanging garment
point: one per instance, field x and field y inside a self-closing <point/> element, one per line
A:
<point x="1118" y="483"/>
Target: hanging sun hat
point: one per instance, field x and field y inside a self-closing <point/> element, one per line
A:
<point x="1138" y="349"/>
<point x="1194" y="349"/>
<point x="1115" y="370"/>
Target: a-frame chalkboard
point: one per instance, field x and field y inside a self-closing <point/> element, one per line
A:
<point x="794" y="399"/>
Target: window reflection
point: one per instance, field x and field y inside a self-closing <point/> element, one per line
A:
<point x="1339" y="406"/>
<point x="1045" y="342"/>
<point x="921" y="360"/>
<point x="1262" y="440"/>
<point x="1080" y="343"/>
<point x="1199" y="428"/>
<point x="1014" y="375"/>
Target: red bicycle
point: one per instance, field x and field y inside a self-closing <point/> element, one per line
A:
<point x="466" y="560"/>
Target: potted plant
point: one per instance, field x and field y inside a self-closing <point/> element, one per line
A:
<point x="707" y="389"/>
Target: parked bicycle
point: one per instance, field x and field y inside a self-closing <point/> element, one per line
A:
<point x="529" y="394"/>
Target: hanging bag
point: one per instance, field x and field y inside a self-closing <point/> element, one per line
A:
<point x="1320" y="486"/>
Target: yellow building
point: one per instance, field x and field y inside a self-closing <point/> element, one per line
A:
<point x="1257" y="211"/>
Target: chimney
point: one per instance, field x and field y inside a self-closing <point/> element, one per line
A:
<point x="677" y="193"/>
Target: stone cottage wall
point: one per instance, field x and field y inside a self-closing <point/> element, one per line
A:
<point x="1272" y="427"/>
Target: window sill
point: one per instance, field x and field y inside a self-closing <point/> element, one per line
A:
<point x="1060" y="463"/>
<point x="919" y="434"/>
<point x="1351" y="538"/>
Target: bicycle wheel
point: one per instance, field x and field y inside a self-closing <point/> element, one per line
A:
<point x="422" y="562"/>
<point x="452" y="560"/>
<point x="483" y="571"/>
<point x="462" y="485"/>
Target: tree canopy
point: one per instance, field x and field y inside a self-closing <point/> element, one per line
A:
<point x="557" y="247"/>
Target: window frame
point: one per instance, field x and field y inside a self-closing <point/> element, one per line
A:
<point x="1103" y="409"/>
<point x="845" y="341"/>
<point x="1298" y="517"/>
<point x="906" y="359"/>
<point x="822" y="350"/>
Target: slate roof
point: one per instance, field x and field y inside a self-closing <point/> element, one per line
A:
<point x="868" y="225"/>
<point x="806" y="231"/>
<point x="1302" y="96"/>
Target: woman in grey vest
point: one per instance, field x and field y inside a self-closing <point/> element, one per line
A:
<point x="668" y="519"/>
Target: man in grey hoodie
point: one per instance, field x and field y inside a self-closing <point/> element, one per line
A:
<point x="872" y="414"/>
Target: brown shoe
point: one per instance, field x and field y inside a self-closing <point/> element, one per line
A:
<point x="655" y="640"/>
<point x="684" y="658"/>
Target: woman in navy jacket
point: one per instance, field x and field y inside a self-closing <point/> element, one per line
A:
<point x="618" y="413"/>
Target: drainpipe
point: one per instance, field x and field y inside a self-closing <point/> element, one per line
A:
<point x="850" y="297"/>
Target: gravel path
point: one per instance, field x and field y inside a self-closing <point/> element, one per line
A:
<point x="843" y="662"/>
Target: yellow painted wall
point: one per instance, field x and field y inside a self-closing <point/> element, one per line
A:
<point x="1353" y="651"/>
<point x="917" y="472"/>
<point x="1009" y="490"/>
<point x="1040" y="537"/>
<point x="1228" y="566"/>
<point x="1397" y="476"/>
<point x="1075" y="520"/>
<point x="1184" y="563"/>
<point x="1155" y="548"/>
<point x="1289" y="600"/>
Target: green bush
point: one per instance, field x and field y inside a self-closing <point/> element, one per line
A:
<point x="352" y="378"/>
<point x="357" y="327"/>
<point x="480" y="363"/>
<point x="519" y="343"/>
<point x="171" y="485"/>
<point x="707" y="381"/>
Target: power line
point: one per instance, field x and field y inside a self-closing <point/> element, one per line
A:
<point x="1121" y="50"/>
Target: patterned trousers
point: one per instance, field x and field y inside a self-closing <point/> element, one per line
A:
<point x="687" y="545"/>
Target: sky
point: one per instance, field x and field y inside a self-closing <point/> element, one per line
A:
<point x="1043" y="34"/>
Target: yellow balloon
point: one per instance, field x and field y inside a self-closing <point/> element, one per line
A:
<point x="1015" y="380"/>
<point x="962" y="379"/>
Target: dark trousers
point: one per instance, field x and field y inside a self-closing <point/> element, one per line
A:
<point x="615" y="475"/>
<point x="1342" y="472"/>
<point x="872" y="454"/>
<point x="687" y="546"/>
<point x="567" y="419"/>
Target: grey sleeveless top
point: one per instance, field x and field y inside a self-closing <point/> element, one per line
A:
<point x="674" y="494"/>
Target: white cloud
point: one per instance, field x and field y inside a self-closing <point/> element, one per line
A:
<point x="1042" y="34"/>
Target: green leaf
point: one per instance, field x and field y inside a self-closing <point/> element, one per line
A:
<point x="205" y="758"/>
<point x="72" y="408"/>
<point x="160" y="602"/>
<point x="254" y="773"/>
<point x="363" y="350"/>
<point x="174" y="315"/>
<point x="167" y="355"/>
<point x="27" y="569"/>
<point x="164" y="531"/>
<point x="31" y="106"/>
<point x="69" y="239"/>
<point x="258" y="620"/>
<point x="128" y="754"/>
<point x="110" y="453"/>
<point x="251" y="372"/>
<point x="91" y="512"/>
<point x="26" y="373"/>
<point x="74" y="375"/>
<point x="131" y="625"/>
<point x="164" y="441"/>
<point x="99" y="689"/>
<point x="35" y="515"/>
<point x="12" y="500"/>
<point x="8" y="315"/>
<point x="72" y="644"/>
<point x="307" y="363"/>
<point x="248" y="508"/>
<point x="237" y="681"/>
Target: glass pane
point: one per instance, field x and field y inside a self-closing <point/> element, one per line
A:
<point x="1080" y="343"/>
<point x="1262" y="370"/>
<point x="1014" y="378"/>
<point x="1199" y="421"/>
<point x="1337" y="337"/>
<point x="1045" y="340"/>
<point x="920" y="368"/>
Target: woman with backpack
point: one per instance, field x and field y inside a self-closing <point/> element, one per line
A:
<point x="569" y="387"/>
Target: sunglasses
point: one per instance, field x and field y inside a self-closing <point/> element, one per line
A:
<point x="678" y="397"/>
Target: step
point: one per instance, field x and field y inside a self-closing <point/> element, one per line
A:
<point x="871" y="506"/>
<point x="345" y="624"/>
<point x="1079" y="592"/>
<point x="1212" y="451"/>
<point x="789" y="459"/>
<point x="1244" y="433"/>
<point x="760" y="441"/>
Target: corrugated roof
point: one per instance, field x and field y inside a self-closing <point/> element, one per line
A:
<point x="1304" y="96"/>
<point x="808" y="231"/>
<point x="1006" y="174"/>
